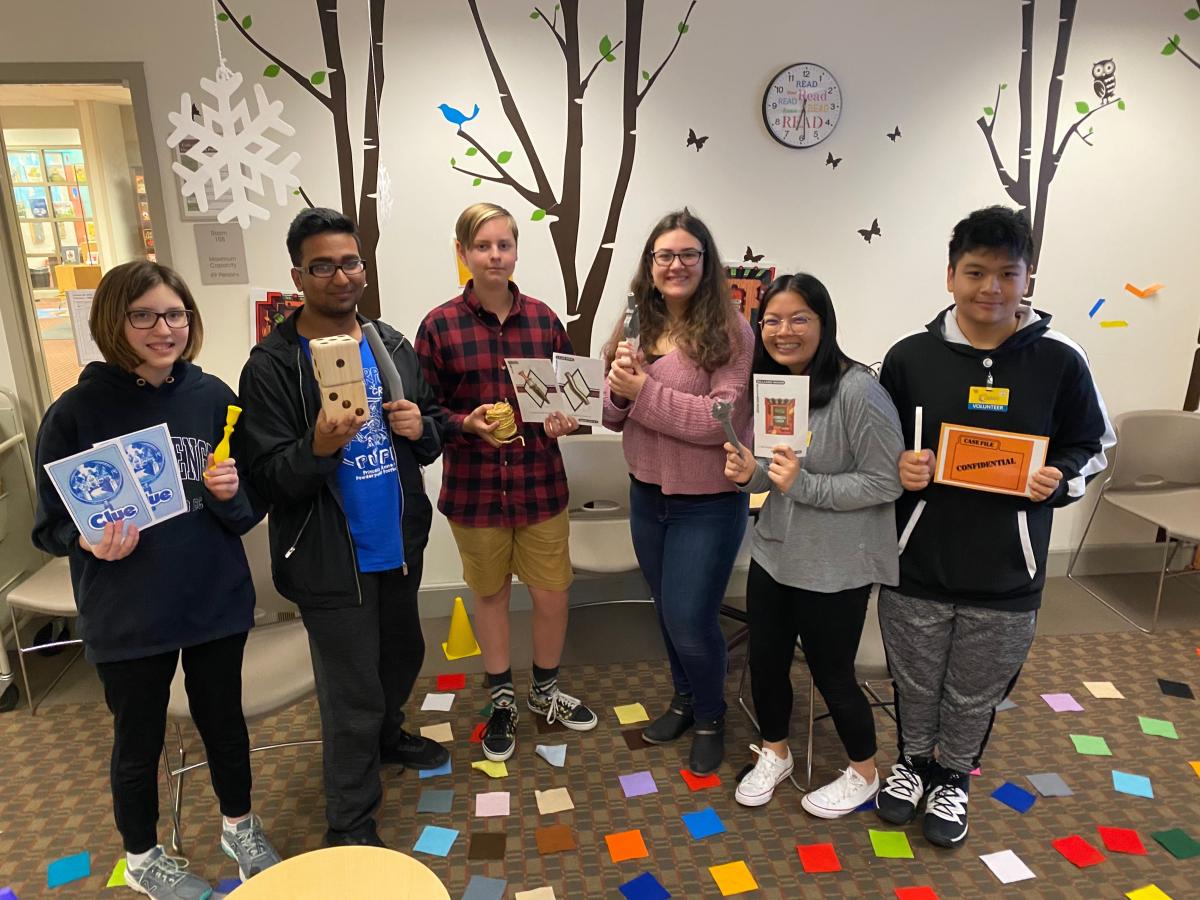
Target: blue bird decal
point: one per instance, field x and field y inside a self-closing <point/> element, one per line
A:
<point x="456" y="117"/>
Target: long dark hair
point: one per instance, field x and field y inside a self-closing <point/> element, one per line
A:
<point x="706" y="337"/>
<point x="829" y="363"/>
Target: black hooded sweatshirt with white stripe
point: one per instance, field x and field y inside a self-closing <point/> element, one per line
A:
<point x="973" y="547"/>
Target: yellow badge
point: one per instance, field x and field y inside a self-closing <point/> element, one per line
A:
<point x="988" y="399"/>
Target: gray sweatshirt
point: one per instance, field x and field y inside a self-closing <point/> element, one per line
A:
<point x="835" y="528"/>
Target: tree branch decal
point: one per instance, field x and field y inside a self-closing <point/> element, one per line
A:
<point x="1173" y="46"/>
<point x="553" y="26"/>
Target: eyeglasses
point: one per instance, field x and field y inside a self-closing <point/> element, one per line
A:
<point x="688" y="257"/>
<point x="798" y="324"/>
<point x="328" y="269"/>
<point x="145" y="319"/>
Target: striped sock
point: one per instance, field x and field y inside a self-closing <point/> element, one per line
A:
<point x="545" y="681"/>
<point x="501" y="687"/>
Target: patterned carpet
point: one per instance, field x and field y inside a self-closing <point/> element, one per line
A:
<point x="63" y="806"/>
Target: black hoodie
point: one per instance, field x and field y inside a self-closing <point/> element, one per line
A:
<point x="187" y="582"/>
<point x="965" y="546"/>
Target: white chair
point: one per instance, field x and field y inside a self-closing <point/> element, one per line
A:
<point x="1155" y="475"/>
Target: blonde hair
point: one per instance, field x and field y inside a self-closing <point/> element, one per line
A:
<point x="118" y="288"/>
<point x="475" y="216"/>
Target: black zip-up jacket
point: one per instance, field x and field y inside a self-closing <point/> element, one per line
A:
<point x="313" y="561"/>
<point x="973" y="547"/>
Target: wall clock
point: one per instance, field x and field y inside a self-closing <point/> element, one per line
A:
<point x="802" y="105"/>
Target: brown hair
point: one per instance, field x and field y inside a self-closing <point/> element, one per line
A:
<point x="471" y="219"/>
<point x="706" y="334"/>
<point x="119" y="287"/>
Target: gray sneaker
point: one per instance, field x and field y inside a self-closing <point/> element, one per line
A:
<point x="248" y="845"/>
<point x="166" y="877"/>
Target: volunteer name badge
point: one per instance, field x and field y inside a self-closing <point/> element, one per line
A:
<point x="988" y="399"/>
<point x="981" y="459"/>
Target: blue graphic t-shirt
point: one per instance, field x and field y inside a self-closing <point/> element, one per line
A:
<point x="369" y="482"/>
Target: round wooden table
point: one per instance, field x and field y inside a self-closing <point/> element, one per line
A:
<point x="350" y="872"/>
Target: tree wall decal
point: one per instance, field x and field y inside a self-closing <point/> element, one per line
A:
<point x="363" y="205"/>
<point x="1173" y="44"/>
<point x="1021" y="188"/>
<point x="562" y="203"/>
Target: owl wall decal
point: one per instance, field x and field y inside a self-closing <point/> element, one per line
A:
<point x="1104" y="79"/>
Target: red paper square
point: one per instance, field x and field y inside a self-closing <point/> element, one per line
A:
<point x="818" y="858"/>
<point x="454" y="682"/>
<point x="1122" y="840"/>
<point x="477" y="734"/>
<point x="916" y="893"/>
<point x="1078" y="851"/>
<point x="700" y="782"/>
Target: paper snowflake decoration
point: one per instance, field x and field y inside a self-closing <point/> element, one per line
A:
<point x="383" y="196"/>
<point x="231" y="150"/>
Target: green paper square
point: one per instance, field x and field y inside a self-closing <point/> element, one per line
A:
<point x="1159" y="727"/>
<point x="1090" y="745"/>
<point x="1178" y="843"/>
<point x="891" y="844"/>
<point x="486" y="712"/>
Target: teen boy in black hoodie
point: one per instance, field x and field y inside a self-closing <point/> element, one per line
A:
<point x="973" y="564"/>
<point x="349" y="520"/>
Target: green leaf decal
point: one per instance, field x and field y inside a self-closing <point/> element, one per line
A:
<point x="271" y="71"/>
<point x="683" y="27"/>
<point x="317" y="77"/>
<point x="222" y="17"/>
<point x="503" y="156"/>
<point x="645" y="75"/>
<point x="534" y="14"/>
<point x="1081" y="107"/>
<point x="477" y="182"/>
<point x="453" y="161"/>
<point x="605" y="45"/>
<point x="471" y="151"/>
<point x="1171" y="47"/>
<point x="1192" y="15"/>
<point x="1121" y="104"/>
<point x="247" y="22"/>
<point x="610" y="58"/>
<point x="538" y="215"/>
<point x="1004" y="86"/>
<point x="987" y="111"/>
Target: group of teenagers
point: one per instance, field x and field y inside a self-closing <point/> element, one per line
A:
<point x="961" y="572"/>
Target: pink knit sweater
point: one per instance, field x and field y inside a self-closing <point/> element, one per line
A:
<point x="670" y="436"/>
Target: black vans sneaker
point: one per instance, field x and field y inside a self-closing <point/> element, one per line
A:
<point x="500" y="736"/>
<point x="945" y="821"/>
<point x="903" y="790"/>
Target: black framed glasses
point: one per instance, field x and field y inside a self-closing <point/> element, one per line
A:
<point x="688" y="257"/>
<point x="145" y="319"/>
<point x="329" y="269"/>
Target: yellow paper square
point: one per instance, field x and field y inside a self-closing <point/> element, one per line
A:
<point x="1149" y="892"/>
<point x="553" y="801"/>
<point x="631" y="713"/>
<point x="117" y="878"/>
<point x="1104" y="690"/>
<point x="440" y="732"/>
<point x="1195" y="764"/>
<point x="733" y="878"/>
<point x="491" y="769"/>
<point x="542" y="893"/>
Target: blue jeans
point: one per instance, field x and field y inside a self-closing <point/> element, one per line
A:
<point x="686" y="545"/>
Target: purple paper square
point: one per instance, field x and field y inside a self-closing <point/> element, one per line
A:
<point x="1062" y="703"/>
<point x="638" y="783"/>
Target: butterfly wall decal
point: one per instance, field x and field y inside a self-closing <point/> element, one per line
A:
<point x="752" y="257"/>
<point x="873" y="231"/>
<point x="831" y="160"/>
<point x="892" y="135"/>
<point x="698" y="142"/>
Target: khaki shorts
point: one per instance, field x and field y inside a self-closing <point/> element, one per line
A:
<point x="538" y="554"/>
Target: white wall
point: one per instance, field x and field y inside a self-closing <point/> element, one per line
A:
<point x="1120" y="210"/>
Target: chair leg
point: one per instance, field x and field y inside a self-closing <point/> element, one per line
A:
<point x="741" y="696"/>
<point x="808" y="755"/>
<point x="1162" y="575"/>
<point x="175" y="788"/>
<point x="33" y="702"/>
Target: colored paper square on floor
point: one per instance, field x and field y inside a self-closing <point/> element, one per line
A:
<point x="542" y="893"/>
<point x="818" y="858"/>
<point x="454" y="681"/>
<point x="435" y="801"/>
<point x="437" y="702"/>
<point x="1016" y="797"/>
<point x="1007" y="866"/>
<point x="916" y="893"/>
<point x="1090" y="745"/>
<point x="1049" y="784"/>
<point x="493" y="803"/>
<point x="1122" y="840"/>
<point x="870" y="805"/>
<point x="631" y="713"/>
<point x="733" y="878"/>
<point x="117" y="878"/>
<point x="434" y="773"/>
<point x="1078" y="851"/>
<point x="890" y="844"/>
<point x="555" y="754"/>
<point x="1149" y="892"/>
<point x="490" y="768"/>
<point x="224" y="886"/>
<point x="1177" y="842"/>
<point x="554" y="839"/>
<point x="7" y="893"/>
<point x="704" y="823"/>
<point x="1062" y="703"/>
<point x="486" y="712"/>
<point x="1137" y="785"/>
<point x="541" y="726"/>
<point x="700" y="782"/>
<point x="554" y="800"/>
<point x="436" y="841"/>
<point x="634" y="740"/>
<point x="477" y="733"/>
<point x="638" y="784"/>
<point x="977" y="771"/>
<point x="644" y="887"/>
<point x="480" y="888"/>
<point x="487" y="845"/>
<point x="625" y="845"/>
<point x="1195" y="764"/>
<point x="68" y="869"/>
<point x="440" y="732"/>
<point x="1176" y="689"/>
<point x="1158" y="727"/>
<point x="1104" y="690"/>
<point x="1004" y="704"/>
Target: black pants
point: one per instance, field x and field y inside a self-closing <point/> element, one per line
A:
<point x="366" y="659"/>
<point x="829" y="627"/>
<point x="137" y="691"/>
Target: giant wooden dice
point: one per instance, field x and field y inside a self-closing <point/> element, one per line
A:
<point x="338" y="367"/>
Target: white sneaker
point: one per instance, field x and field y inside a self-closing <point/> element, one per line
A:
<point x="760" y="782"/>
<point x="843" y="795"/>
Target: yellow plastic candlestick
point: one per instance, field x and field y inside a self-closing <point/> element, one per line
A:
<point x="221" y="453"/>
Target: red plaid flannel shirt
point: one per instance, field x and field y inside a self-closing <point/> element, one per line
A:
<point x="462" y="348"/>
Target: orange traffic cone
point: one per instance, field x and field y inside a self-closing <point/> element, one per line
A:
<point x="461" y="641"/>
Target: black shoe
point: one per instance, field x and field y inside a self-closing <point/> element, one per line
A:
<point x="500" y="736"/>
<point x="904" y="789"/>
<point x="414" y="752"/>
<point x="672" y="724"/>
<point x="363" y="836"/>
<point x="708" y="747"/>
<point x="945" y="822"/>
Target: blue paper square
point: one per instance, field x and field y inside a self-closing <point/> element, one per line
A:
<point x="644" y="887"/>
<point x="433" y="800"/>
<point x="1017" y="797"/>
<point x="69" y="868"/>
<point x="1138" y="785"/>
<point x="436" y="841"/>
<point x="482" y="888"/>
<point x="433" y="773"/>
<point x="227" y="885"/>
<point x="704" y="823"/>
